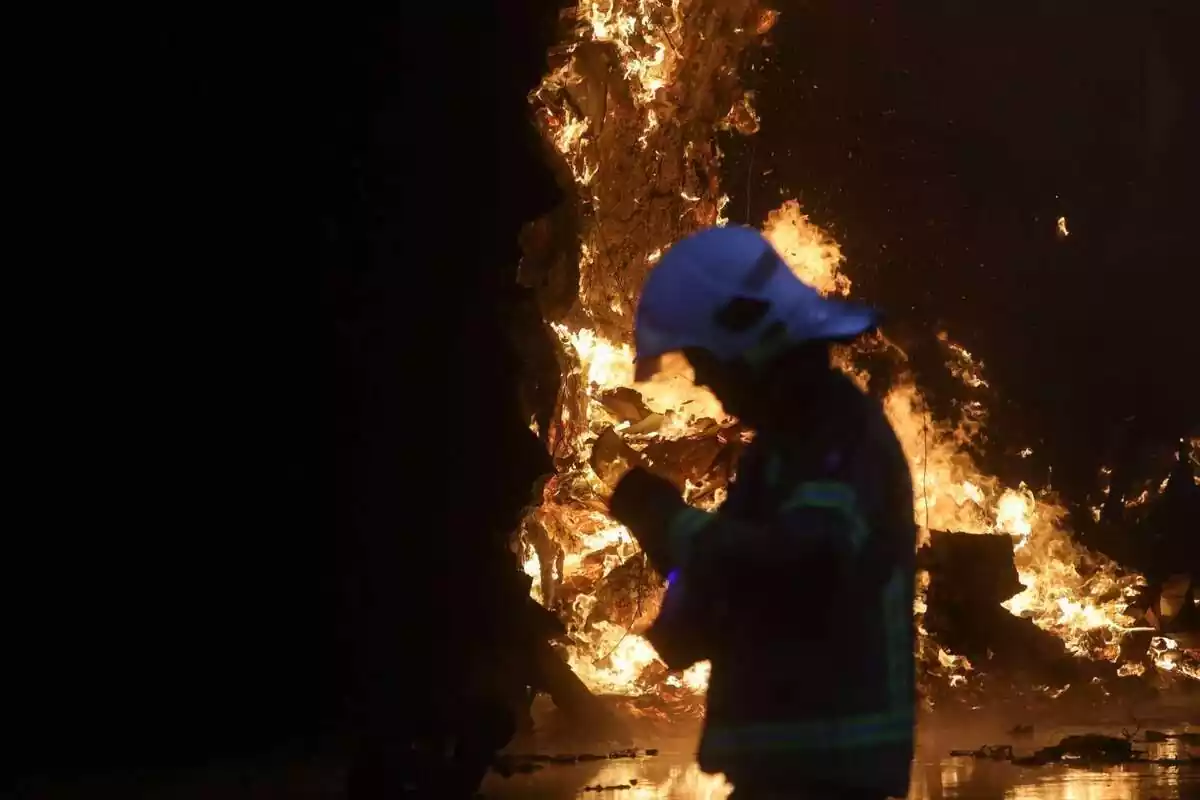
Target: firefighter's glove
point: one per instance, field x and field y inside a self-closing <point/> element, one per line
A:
<point x="645" y="503"/>
<point x="678" y="634"/>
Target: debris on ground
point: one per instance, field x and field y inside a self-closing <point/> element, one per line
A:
<point x="508" y="765"/>
<point x="1021" y="731"/>
<point x="997" y="752"/>
<point x="1094" y="747"/>
<point x="1085" y="749"/>
<point x="598" y="788"/>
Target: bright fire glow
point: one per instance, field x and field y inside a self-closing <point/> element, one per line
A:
<point x="1077" y="595"/>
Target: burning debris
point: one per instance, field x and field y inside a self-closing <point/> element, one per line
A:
<point x="970" y="577"/>
<point x="630" y="108"/>
<point x="1086" y="749"/>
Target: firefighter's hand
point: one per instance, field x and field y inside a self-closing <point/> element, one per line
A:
<point x="645" y="503"/>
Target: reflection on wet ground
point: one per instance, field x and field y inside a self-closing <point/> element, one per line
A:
<point x="673" y="775"/>
<point x="970" y="778"/>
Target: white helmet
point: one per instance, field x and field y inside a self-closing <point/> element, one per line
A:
<point x="685" y="295"/>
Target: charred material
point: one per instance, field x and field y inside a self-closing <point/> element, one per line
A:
<point x="970" y="576"/>
<point x="1090" y="748"/>
<point x="705" y="459"/>
<point x="612" y="457"/>
<point x="628" y="595"/>
<point x="1087" y="748"/>
<point x="571" y="696"/>
<point x="1156" y="534"/>
<point x="1082" y="750"/>
<point x="648" y="163"/>
<point x="507" y="765"/>
<point x="966" y="568"/>
<point x="1169" y="529"/>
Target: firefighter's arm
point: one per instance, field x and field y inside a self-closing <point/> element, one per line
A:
<point x="819" y="542"/>
<point x="819" y="526"/>
<point x="730" y="569"/>
<point x="717" y="558"/>
<point x="646" y="503"/>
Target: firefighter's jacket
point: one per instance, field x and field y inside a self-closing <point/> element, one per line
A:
<point x="800" y="592"/>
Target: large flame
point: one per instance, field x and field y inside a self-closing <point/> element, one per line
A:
<point x="1077" y="595"/>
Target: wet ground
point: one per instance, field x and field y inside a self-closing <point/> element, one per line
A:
<point x="671" y="777"/>
<point x="936" y="775"/>
<point x="673" y="774"/>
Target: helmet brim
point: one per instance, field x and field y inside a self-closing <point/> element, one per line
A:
<point x="835" y="321"/>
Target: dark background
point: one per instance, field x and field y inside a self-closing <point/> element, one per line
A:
<point x="940" y="142"/>
<point x="266" y="343"/>
<point x="271" y="412"/>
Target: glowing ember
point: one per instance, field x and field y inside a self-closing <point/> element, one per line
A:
<point x="1077" y="595"/>
<point x="1170" y="658"/>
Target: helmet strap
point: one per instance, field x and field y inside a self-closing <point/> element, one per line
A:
<point x="773" y="342"/>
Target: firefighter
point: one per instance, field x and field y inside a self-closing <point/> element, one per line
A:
<point x="799" y="589"/>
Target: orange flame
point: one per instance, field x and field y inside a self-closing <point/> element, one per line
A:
<point x="1069" y="591"/>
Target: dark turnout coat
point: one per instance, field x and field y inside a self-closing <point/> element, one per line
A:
<point x="800" y="592"/>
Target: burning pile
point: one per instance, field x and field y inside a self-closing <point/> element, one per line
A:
<point x="631" y="107"/>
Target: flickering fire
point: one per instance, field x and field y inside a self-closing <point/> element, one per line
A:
<point x="663" y="51"/>
<point x="1169" y="658"/>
